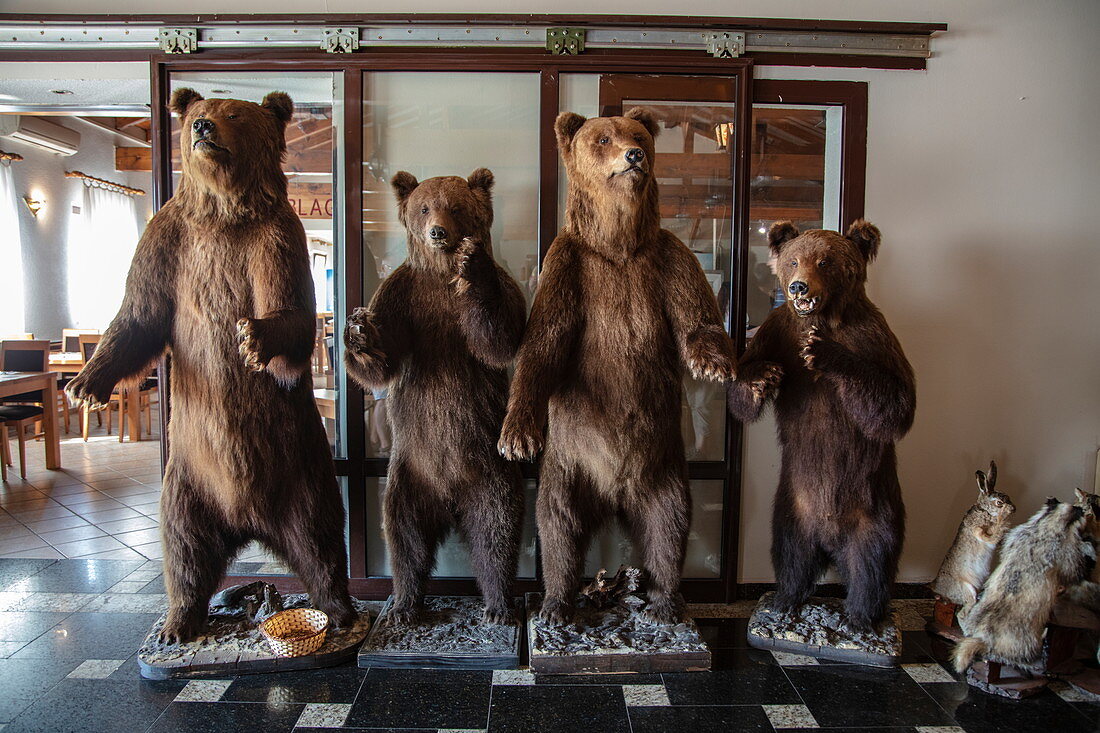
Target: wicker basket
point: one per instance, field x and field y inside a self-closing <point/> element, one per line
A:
<point x="296" y="632"/>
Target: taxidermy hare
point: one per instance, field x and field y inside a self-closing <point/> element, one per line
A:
<point x="970" y="559"/>
<point x="1040" y="559"/>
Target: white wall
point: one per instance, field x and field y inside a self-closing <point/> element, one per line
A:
<point x="41" y="175"/>
<point x="982" y="174"/>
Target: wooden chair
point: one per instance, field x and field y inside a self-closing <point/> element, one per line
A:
<point x="17" y="337"/>
<point x="19" y="417"/>
<point x="87" y="343"/>
<point x="70" y="338"/>
<point x="5" y="451"/>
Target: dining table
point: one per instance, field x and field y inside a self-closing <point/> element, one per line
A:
<point x="69" y="363"/>
<point x="13" y="383"/>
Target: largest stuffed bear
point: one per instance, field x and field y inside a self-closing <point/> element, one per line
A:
<point x="221" y="281"/>
<point x="844" y="394"/>
<point x="622" y="306"/>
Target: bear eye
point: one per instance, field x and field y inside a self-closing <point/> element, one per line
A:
<point x="423" y="209"/>
<point x="232" y="117"/>
<point x="822" y="263"/>
<point x="793" y="263"/>
<point x="605" y="140"/>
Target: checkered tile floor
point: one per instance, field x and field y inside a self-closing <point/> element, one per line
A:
<point x="104" y="503"/>
<point x="69" y="630"/>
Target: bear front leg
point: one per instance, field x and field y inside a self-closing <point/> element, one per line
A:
<point x="279" y="343"/>
<point x="521" y="436"/>
<point x="198" y="547"/>
<point x="756" y="383"/>
<point x="364" y="356"/>
<point x="492" y="310"/>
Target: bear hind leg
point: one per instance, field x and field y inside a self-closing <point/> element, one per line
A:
<point x="414" y="529"/>
<point x="491" y="525"/>
<point x="869" y="562"/>
<point x="565" y="520"/>
<point x="798" y="560"/>
<point x="660" y="525"/>
<point x="198" y="546"/>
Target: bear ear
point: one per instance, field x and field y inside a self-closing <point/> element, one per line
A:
<point x="404" y="183"/>
<point x="866" y="236"/>
<point x="481" y="179"/>
<point x="645" y="116"/>
<point x="566" y="127"/>
<point x="779" y="234"/>
<point x="182" y="99"/>
<point x="281" y="104"/>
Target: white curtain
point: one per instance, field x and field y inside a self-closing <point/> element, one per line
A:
<point x="11" y="256"/>
<point x="106" y="236"/>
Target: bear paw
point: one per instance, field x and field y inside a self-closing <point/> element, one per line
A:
<point x="250" y="344"/>
<point x="662" y="611"/>
<point x="469" y="264"/>
<point x="403" y="615"/>
<point x="555" y="612"/>
<point x="709" y="357"/>
<point x="361" y="335"/>
<point x="519" y="440"/>
<point x="179" y="631"/>
<point x="501" y="616"/>
<point x="83" y="390"/>
<point x="767" y="384"/>
<point x="808" y="348"/>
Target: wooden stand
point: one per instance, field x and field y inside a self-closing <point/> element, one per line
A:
<point x="945" y="620"/>
<point x="450" y="634"/>
<point x="614" y="650"/>
<point x="999" y="679"/>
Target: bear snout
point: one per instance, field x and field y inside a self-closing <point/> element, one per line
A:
<point x="437" y="233"/>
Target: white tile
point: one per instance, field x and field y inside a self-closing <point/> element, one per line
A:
<point x="129" y="603"/>
<point x="203" y="691"/>
<point x="790" y="716"/>
<point x="128" y="586"/>
<point x="7" y="648"/>
<point x="57" y="602"/>
<point x="925" y="673"/>
<point x="939" y="729"/>
<point x="645" y="695"/>
<point x="786" y="659"/>
<point x="1069" y="693"/>
<point x="323" y="715"/>
<point x="513" y="677"/>
<point x="96" y="669"/>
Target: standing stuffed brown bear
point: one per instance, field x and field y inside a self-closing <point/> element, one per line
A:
<point x="441" y="332"/>
<point x="621" y="306"/>
<point x="844" y="394"/>
<point x="221" y="281"/>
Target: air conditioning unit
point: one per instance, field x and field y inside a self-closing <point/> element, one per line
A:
<point x="41" y="133"/>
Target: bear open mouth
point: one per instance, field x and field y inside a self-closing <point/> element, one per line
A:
<point x="804" y="306"/>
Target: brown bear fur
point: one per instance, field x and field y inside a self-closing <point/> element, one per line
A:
<point x="441" y="332"/>
<point x="622" y="305"/>
<point x="221" y="281"/>
<point x="844" y="394"/>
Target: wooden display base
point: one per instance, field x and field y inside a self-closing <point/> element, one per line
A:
<point x="450" y="634"/>
<point x="613" y="641"/>
<point x="818" y="630"/>
<point x="1000" y="679"/>
<point x="945" y="621"/>
<point x="231" y="647"/>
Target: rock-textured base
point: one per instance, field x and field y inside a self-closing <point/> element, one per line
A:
<point x="238" y="647"/>
<point x="818" y="629"/>
<point x="618" y="639"/>
<point x="450" y="634"/>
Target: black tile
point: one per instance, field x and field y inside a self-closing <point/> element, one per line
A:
<point x="598" y="679"/>
<point x="724" y="633"/>
<point x="97" y="705"/>
<point x="27" y="625"/>
<point x="525" y="708"/>
<point x="81" y="576"/>
<point x="336" y="685"/>
<point x="24" y="681"/>
<point x="978" y="712"/>
<point x="699" y="719"/>
<point x="362" y="730"/>
<point x="1091" y="711"/>
<point x="853" y="695"/>
<point x="422" y="698"/>
<point x="849" y="729"/>
<point x="14" y="570"/>
<point x="746" y="677"/>
<point x="91" y="636"/>
<point x="225" y="717"/>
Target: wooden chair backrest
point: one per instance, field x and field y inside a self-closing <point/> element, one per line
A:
<point x="24" y="355"/>
<point x="88" y="343"/>
<point x="17" y="337"/>
<point x="70" y="337"/>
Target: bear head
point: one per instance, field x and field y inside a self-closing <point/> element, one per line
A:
<point x="227" y="144"/>
<point x="820" y="270"/>
<point x="440" y="212"/>
<point x="613" y="155"/>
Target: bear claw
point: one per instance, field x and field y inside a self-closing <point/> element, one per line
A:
<point x="249" y="344"/>
<point x="498" y="616"/>
<point x="555" y="612"/>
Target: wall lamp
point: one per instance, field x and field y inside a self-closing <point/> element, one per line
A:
<point x="35" y="205"/>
